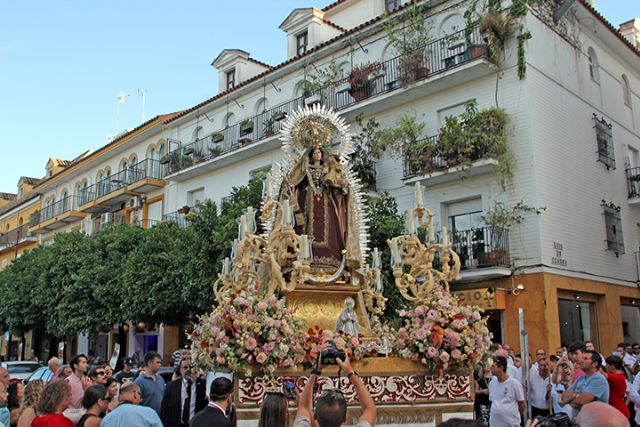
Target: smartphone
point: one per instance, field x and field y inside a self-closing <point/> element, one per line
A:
<point x="288" y="388"/>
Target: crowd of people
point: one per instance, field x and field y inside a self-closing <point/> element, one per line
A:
<point x="575" y="383"/>
<point x="559" y="385"/>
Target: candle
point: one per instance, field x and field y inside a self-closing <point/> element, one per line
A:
<point x="243" y="226"/>
<point x="234" y="248"/>
<point x="269" y="192"/>
<point x="226" y="267"/>
<point x="375" y="258"/>
<point x="378" y="281"/>
<point x="419" y="202"/>
<point x="431" y="233"/>
<point x="395" y="255"/>
<point x="284" y="208"/>
<point x="251" y="224"/>
<point x="445" y="236"/>
<point x="411" y="229"/>
<point x="304" y="246"/>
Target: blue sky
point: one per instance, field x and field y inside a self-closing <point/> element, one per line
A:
<point x="63" y="63"/>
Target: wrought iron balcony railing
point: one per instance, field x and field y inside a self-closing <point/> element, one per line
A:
<point x="147" y="168"/>
<point x="66" y="204"/>
<point x="15" y="236"/>
<point x="435" y="58"/>
<point x="482" y="247"/>
<point x="633" y="182"/>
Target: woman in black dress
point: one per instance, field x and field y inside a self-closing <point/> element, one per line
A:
<point x="482" y="404"/>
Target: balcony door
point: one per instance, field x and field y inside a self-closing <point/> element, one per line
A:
<point x="467" y="230"/>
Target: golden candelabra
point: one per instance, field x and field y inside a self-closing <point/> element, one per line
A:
<point x="413" y="261"/>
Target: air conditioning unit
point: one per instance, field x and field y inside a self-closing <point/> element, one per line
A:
<point x="135" y="203"/>
<point x="106" y="218"/>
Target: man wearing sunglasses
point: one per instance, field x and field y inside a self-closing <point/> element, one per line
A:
<point x="331" y="405"/>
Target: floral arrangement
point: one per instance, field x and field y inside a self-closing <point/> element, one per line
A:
<point x="248" y="332"/>
<point x="441" y="332"/>
<point x="351" y="345"/>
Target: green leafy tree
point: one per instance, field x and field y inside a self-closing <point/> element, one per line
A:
<point x="385" y="223"/>
<point x="25" y="298"/>
<point x="72" y="276"/>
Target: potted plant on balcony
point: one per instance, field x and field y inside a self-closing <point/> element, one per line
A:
<point x="496" y="27"/>
<point x="267" y="126"/>
<point x="215" y="151"/>
<point x="217" y="137"/>
<point x="198" y="155"/>
<point x="359" y="80"/>
<point x="316" y="80"/>
<point x="498" y="220"/>
<point x="278" y="115"/>
<point x="409" y="35"/>
<point x="246" y="127"/>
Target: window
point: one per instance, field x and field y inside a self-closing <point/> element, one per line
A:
<point x="389" y="5"/>
<point x="64" y="202"/>
<point x="630" y="321"/>
<point x="577" y="321"/>
<point x="231" y="79"/>
<point x="594" y="68"/>
<point x="195" y="196"/>
<point x="301" y="42"/>
<point x="613" y="224"/>
<point x="626" y="91"/>
<point x="604" y="137"/>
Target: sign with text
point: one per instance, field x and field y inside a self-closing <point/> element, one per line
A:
<point x="485" y="298"/>
<point x="557" y="259"/>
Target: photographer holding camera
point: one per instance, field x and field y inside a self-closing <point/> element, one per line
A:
<point x="331" y="405"/>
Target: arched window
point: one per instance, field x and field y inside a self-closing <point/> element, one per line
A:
<point x="133" y="160"/>
<point x="64" y="201"/>
<point x="100" y="184"/>
<point x="626" y="91"/>
<point x="159" y="155"/>
<point x="594" y="67"/>
<point x="122" y="172"/>
<point x="261" y="106"/>
<point x="107" y="181"/>
<point x="20" y="221"/>
<point x="152" y="168"/>
<point x="197" y="133"/>
<point x="229" y="119"/>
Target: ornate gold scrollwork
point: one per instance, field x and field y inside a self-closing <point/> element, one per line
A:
<point x="418" y="258"/>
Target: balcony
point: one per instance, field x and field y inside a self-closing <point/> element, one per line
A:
<point x="436" y="171"/>
<point x="16" y="238"/>
<point x="178" y="217"/>
<point x="100" y="223"/>
<point x="56" y="215"/>
<point x="441" y="58"/>
<point x="633" y="185"/>
<point x="484" y="252"/>
<point x="137" y="179"/>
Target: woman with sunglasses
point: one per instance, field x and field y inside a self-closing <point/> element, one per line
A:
<point x="274" y="411"/>
<point x="96" y="401"/>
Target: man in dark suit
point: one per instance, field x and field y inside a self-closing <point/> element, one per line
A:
<point x="183" y="398"/>
<point x="220" y="403"/>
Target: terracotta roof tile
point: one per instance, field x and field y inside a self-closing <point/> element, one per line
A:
<point x="264" y="64"/>
<point x="334" y="25"/>
<point x="8" y="196"/>
<point x="332" y="5"/>
<point x="29" y="180"/>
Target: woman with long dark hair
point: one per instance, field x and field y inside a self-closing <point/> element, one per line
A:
<point x="96" y="401"/>
<point x="15" y="393"/>
<point x="274" y="411"/>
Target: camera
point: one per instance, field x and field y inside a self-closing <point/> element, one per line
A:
<point x="556" y="420"/>
<point x="329" y="356"/>
<point x="288" y="388"/>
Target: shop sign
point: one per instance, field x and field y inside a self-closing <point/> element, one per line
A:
<point x="557" y="258"/>
<point x="485" y="298"/>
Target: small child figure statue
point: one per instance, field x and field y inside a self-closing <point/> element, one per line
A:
<point x="348" y="320"/>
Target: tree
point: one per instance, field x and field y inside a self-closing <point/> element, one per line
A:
<point x="25" y="298"/>
<point x="72" y="275"/>
<point x="385" y="223"/>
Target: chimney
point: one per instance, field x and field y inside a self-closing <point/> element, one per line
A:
<point x="631" y="31"/>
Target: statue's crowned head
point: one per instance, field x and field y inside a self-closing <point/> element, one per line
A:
<point x="313" y="132"/>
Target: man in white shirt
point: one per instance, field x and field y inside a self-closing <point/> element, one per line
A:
<point x="538" y="382"/>
<point x="506" y="395"/>
<point x="634" y="396"/>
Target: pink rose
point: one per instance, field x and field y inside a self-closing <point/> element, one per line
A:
<point x="261" y="358"/>
<point x="456" y="354"/>
<point x="261" y="306"/>
<point x="420" y="310"/>
<point x="251" y="344"/>
<point x="444" y="356"/>
<point x="402" y="313"/>
<point x="432" y="352"/>
<point x="432" y="314"/>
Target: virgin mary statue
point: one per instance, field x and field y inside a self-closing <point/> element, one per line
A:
<point x="317" y="183"/>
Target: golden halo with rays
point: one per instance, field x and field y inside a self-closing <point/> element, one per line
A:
<point x="313" y="131"/>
